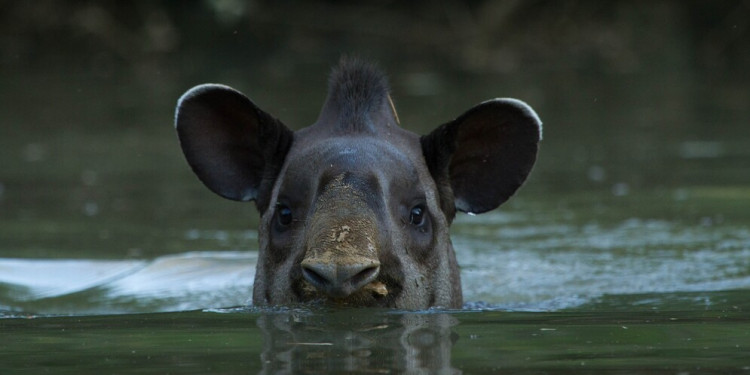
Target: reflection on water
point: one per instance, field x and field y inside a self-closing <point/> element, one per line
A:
<point x="360" y="340"/>
<point x="257" y="341"/>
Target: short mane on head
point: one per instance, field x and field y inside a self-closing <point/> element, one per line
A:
<point x="357" y="90"/>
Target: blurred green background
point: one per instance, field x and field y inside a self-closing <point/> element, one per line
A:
<point x="643" y="103"/>
<point x="631" y="234"/>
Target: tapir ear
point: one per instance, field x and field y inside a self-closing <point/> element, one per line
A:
<point x="233" y="146"/>
<point x="481" y="158"/>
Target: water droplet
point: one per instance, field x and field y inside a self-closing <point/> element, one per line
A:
<point x="193" y="234"/>
<point x="34" y="152"/>
<point x="596" y="173"/>
<point x="620" y="189"/>
<point x="701" y="150"/>
<point x="89" y="177"/>
<point x="91" y="209"/>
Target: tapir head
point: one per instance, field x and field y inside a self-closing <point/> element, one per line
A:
<point x="355" y="210"/>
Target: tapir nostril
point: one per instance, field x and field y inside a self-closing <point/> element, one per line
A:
<point x="339" y="280"/>
<point x="313" y="276"/>
<point x="365" y="276"/>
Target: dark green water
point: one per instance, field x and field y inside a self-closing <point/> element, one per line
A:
<point x="365" y="341"/>
<point x="627" y="251"/>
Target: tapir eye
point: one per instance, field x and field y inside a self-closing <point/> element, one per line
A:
<point x="416" y="216"/>
<point x="283" y="214"/>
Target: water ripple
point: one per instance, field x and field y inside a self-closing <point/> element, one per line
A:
<point x="512" y="266"/>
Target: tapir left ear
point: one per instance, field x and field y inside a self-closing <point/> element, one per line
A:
<point x="233" y="146"/>
<point x="481" y="158"/>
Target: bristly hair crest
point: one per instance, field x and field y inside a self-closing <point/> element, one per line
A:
<point x="356" y="89"/>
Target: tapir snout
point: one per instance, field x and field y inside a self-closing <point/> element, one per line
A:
<point x="341" y="255"/>
<point x="355" y="210"/>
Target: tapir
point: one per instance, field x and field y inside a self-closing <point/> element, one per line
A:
<point x="355" y="209"/>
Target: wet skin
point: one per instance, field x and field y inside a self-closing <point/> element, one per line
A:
<point x="356" y="210"/>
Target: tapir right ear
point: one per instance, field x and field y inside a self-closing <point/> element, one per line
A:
<point x="481" y="158"/>
<point x="233" y="146"/>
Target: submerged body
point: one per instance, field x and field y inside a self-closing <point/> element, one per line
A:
<point x="356" y="210"/>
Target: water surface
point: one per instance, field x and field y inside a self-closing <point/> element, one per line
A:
<point x="627" y="251"/>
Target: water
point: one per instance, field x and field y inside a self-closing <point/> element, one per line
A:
<point x="364" y="341"/>
<point x="627" y="251"/>
<point x="508" y="266"/>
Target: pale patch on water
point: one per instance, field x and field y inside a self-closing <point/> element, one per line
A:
<point x="192" y="280"/>
<point x="170" y="283"/>
<point x="38" y="279"/>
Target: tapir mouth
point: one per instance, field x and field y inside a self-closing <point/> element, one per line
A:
<point x="378" y="293"/>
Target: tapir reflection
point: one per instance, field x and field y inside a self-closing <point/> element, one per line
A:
<point x="361" y="341"/>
